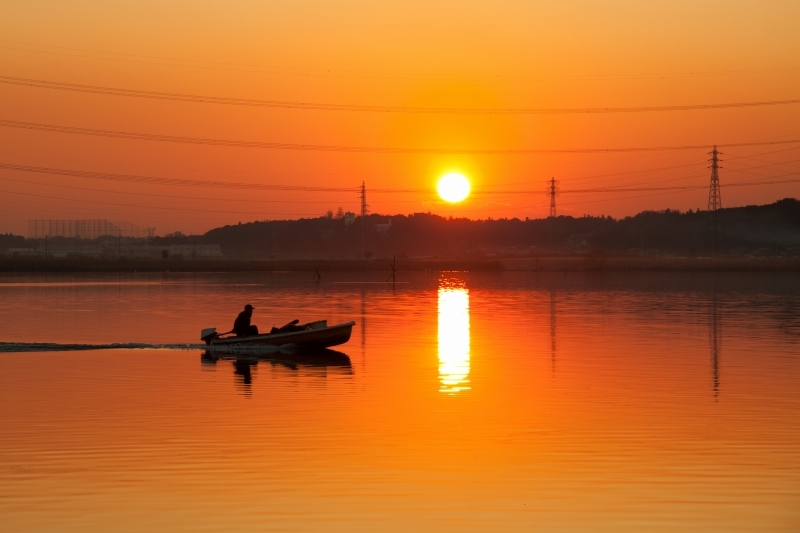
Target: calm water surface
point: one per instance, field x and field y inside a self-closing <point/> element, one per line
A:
<point x="463" y="402"/>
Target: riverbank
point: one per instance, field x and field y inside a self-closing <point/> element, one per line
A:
<point x="555" y="263"/>
<point x="589" y="263"/>
<point x="24" y="264"/>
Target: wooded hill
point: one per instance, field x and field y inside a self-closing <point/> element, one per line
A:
<point x="772" y="229"/>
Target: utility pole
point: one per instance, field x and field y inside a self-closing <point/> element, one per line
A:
<point x="714" y="225"/>
<point x="364" y="213"/>
<point x="552" y="192"/>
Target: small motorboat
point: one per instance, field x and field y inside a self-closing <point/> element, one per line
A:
<point x="315" y="334"/>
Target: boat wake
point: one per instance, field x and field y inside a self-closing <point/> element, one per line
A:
<point x="56" y="347"/>
<point x="287" y="354"/>
<point x="235" y="349"/>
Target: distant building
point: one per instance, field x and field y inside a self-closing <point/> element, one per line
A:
<point x="188" y="251"/>
<point x="207" y="250"/>
<point x="20" y="252"/>
<point x="349" y="218"/>
<point x="577" y="242"/>
<point x="382" y="228"/>
<point x="69" y="250"/>
<point x="135" y="251"/>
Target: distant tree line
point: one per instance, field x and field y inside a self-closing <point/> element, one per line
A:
<point x="8" y="240"/>
<point x="761" y="229"/>
<point x="772" y="229"/>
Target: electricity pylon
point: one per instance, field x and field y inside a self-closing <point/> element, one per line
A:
<point x="714" y="225"/>
<point x="364" y="213"/>
<point x="552" y="192"/>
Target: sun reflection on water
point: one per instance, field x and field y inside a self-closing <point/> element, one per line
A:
<point x="453" y="335"/>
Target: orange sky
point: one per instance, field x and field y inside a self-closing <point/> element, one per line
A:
<point x="435" y="53"/>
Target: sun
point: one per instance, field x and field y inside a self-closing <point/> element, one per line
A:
<point x="453" y="187"/>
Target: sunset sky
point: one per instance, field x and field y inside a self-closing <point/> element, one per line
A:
<point x="434" y="54"/>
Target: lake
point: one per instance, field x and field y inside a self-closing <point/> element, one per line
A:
<point x="463" y="402"/>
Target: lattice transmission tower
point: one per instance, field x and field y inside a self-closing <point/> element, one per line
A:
<point x="714" y="225"/>
<point x="364" y="213"/>
<point x="552" y="192"/>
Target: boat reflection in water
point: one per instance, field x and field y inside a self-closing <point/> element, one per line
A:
<point x="454" y="339"/>
<point x="243" y="363"/>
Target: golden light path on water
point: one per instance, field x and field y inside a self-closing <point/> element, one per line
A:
<point x="453" y="335"/>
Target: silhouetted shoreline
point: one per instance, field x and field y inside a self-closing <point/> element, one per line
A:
<point x="544" y="263"/>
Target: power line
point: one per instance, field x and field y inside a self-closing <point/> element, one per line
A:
<point x="149" y="206"/>
<point x="774" y="164"/>
<point x="693" y="176"/>
<point x="692" y="187"/>
<point x="328" y="175"/>
<point x="748" y="156"/>
<point x="601" y="190"/>
<point x="762" y="181"/>
<point x="317" y="106"/>
<point x="152" y="180"/>
<point x="240" y="200"/>
<point x="614" y="174"/>
<point x="623" y="197"/>
<point x="694" y="164"/>
<point x="325" y="72"/>
<point x="672" y="167"/>
<point x="660" y="193"/>
<point x="356" y="149"/>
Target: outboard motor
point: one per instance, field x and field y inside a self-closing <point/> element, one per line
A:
<point x="208" y="334"/>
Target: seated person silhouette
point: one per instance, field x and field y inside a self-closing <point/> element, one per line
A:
<point x="242" y="326"/>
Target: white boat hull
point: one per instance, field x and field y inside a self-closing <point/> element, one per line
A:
<point x="314" y="338"/>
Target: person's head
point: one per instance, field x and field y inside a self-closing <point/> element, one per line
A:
<point x="248" y="308"/>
